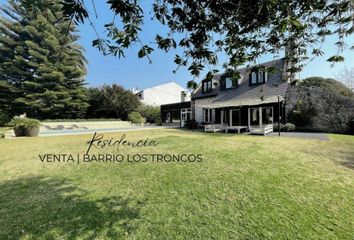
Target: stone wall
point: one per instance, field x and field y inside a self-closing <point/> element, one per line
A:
<point x="315" y="109"/>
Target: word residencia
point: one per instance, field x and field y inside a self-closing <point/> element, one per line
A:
<point x="136" y="158"/>
<point x="98" y="141"/>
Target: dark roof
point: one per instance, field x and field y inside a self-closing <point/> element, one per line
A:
<point x="246" y="92"/>
<point x="174" y="106"/>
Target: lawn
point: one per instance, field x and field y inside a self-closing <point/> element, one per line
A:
<point x="2" y="131"/>
<point x="246" y="187"/>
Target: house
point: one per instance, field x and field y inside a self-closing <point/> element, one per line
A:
<point x="253" y="102"/>
<point x="176" y="113"/>
<point x="166" y="93"/>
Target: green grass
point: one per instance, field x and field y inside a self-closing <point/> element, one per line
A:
<point x="246" y="187"/>
<point x="2" y="131"/>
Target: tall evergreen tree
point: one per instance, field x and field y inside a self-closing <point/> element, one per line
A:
<point x="42" y="68"/>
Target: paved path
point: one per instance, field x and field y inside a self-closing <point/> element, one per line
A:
<point x="308" y="135"/>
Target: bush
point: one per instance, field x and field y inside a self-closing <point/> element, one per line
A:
<point x="24" y="122"/>
<point x="288" y="127"/>
<point x="303" y="113"/>
<point x="351" y="127"/>
<point x="4" y="118"/>
<point x="19" y="122"/>
<point x="111" y="101"/>
<point x="191" y="124"/>
<point x="135" y="117"/>
<point x="150" y="113"/>
<point x="275" y="127"/>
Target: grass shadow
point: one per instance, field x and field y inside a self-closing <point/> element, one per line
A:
<point x="348" y="162"/>
<point x="47" y="208"/>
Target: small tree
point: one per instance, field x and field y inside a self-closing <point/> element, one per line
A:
<point x="111" y="101"/>
<point x="135" y="117"/>
<point x="346" y="76"/>
<point x="95" y="101"/>
<point x="150" y="113"/>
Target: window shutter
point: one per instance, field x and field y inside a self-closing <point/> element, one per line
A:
<point x="250" y="78"/>
<point x="265" y="76"/>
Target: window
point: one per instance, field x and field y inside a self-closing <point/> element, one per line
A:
<point x="208" y="115"/>
<point x="267" y="115"/>
<point x="258" y="77"/>
<point x="228" y="83"/>
<point x="207" y="86"/>
<point x="253" y="78"/>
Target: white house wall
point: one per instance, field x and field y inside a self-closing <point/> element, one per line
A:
<point x="163" y="94"/>
<point x="198" y="109"/>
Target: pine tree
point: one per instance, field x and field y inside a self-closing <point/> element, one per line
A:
<point x="42" y="68"/>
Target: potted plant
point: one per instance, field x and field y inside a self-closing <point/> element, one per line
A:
<point x="32" y="127"/>
<point x="18" y="126"/>
<point x="24" y="126"/>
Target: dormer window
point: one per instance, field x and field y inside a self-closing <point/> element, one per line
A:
<point x="228" y="82"/>
<point x="207" y="86"/>
<point x="258" y="76"/>
<point x="253" y="78"/>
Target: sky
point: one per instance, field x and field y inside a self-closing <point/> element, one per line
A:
<point x="132" y="72"/>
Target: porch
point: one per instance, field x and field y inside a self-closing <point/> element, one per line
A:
<point x="258" y="119"/>
<point x="175" y="114"/>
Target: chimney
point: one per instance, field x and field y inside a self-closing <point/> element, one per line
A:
<point x="135" y="90"/>
<point x="291" y="58"/>
<point x="183" y="96"/>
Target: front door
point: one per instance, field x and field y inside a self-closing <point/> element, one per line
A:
<point x="235" y="117"/>
<point x="185" y="116"/>
<point x="254" y="118"/>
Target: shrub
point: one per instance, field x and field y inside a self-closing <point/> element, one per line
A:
<point x="191" y="124"/>
<point x="19" y="122"/>
<point x="150" y="113"/>
<point x="135" y="117"/>
<point x="303" y="114"/>
<point x="275" y="127"/>
<point x="4" y="118"/>
<point x="351" y="127"/>
<point x="288" y="127"/>
<point x="111" y="101"/>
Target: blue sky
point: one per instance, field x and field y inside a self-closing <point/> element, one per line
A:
<point x="133" y="72"/>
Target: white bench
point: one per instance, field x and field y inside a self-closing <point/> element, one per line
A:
<point x="214" y="128"/>
<point x="238" y="128"/>
<point x="262" y="130"/>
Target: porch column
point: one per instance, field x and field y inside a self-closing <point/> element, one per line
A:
<point x="222" y="116"/>
<point x="249" y="118"/>
<point x="260" y="116"/>
<point x="239" y="116"/>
